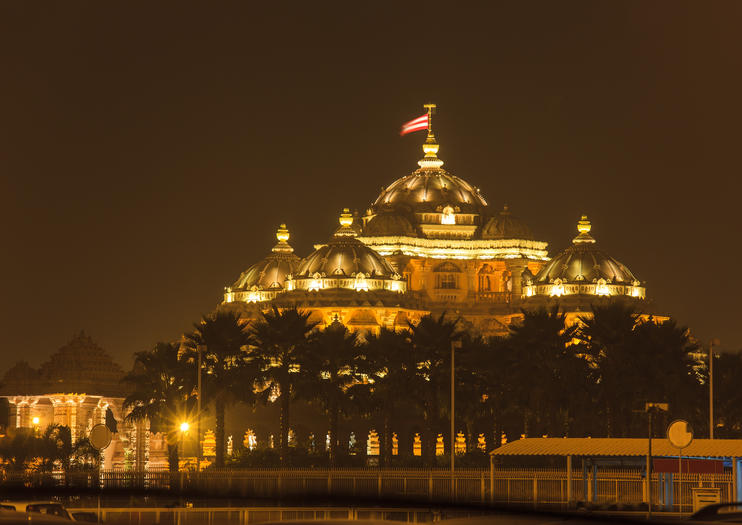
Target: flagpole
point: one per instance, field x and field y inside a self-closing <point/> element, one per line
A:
<point x="430" y="108"/>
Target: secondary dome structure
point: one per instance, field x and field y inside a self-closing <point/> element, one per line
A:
<point x="265" y="279"/>
<point x="506" y="226"/>
<point x="345" y="262"/>
<point x="584" y="269"/>
<point x="390" y="224"/>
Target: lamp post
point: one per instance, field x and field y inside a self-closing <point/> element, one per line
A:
<point x="184" y="426"/>
<point x="454" y="345"/>
<point x="651" y="409"/>
<point x="200" y="349"/>
<point x="712" y="343"/>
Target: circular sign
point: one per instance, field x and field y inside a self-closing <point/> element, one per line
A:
<point x="680" y="433"/>
<point x="100" y="437"/>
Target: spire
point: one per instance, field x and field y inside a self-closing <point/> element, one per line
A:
<point x="282" y="234"/>
<point x="430" y="148"/>
<point x="346" y="223"/>
<point x="583" y="227"/>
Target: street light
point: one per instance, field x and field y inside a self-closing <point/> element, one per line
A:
<point x="200" y="349"/>
<point x="184" y="426"/>
<point x="454" y="345"/>
<point x="714" y="342"/>
<point x="36" y="420"/>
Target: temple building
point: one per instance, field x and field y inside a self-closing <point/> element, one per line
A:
<point x="75" y="388"/>
<point x="430" y="243"/>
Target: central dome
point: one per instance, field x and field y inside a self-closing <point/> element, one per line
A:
<point x="429" y="202"/>
<point x="425" y="190"/>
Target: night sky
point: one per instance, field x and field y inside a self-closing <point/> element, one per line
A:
<point x="148" y="151"/>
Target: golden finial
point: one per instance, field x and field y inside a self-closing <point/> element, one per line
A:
<point x="430" y="147"/>
<point x="282" y="234"/>
<point x="346" y="222"/>
<point x="584" y="227"/>
<point x="346" y="218"/>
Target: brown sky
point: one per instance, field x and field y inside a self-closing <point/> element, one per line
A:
<point x="149" y="150"/>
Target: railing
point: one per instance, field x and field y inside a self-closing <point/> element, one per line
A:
<point x="245" y="515"/>
<point x="622" y="487"/>
<point x="533" y="487"/>
<point x="494" y="297"/>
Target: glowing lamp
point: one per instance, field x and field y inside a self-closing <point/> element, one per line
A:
<point x="184" y="426"/>
<point x="35" y="420"/>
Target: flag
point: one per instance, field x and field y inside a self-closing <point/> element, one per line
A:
<point x="417" y="124"/>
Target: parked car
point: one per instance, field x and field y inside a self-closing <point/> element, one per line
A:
<point x="50" y="508"/>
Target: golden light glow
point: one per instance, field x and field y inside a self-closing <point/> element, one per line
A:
<point x="557" y="290"/>
<point x="346" y="218"/>
<point x="360" y="284"/>
<point x="458" y="248"/>
<point x="601" y="288"/>
<point x="282" y="234"/>
<point x="184" y="426"/>
<point x="36" y="420"/>
<point x="448" y="216"/>
<point x="583" y="225"/>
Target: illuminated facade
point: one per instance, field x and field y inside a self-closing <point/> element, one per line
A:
<point x="430" y="243"/>
<point x="75" y="388"/>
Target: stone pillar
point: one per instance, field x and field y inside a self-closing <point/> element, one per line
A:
<point x="516" y="267"/>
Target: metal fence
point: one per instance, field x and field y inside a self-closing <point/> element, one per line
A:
<point x="620" y="487"/>
<point x="533" y="487"/>
<point x="469" y="485"/>
<point x="245" y="515"/>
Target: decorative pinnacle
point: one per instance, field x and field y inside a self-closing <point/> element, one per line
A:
<point x="282" y="234"/>
<point x="346" y="221"/>
<point x="430" y="148"/>
<point x="584" y="227"/>
<point x="346" y="218"/>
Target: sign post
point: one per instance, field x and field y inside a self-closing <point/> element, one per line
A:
<point x="680" y="435"/>
<point x="99" y="438"/>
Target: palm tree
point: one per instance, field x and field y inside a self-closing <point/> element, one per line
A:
<point x="727" y="376"/>
<point x="639" y="361"/>
<point x="384" y="368"/>
<point x="280" y="340"/>
<point x="229" y="371"/>
<point x="328" y="372"/>
<point x="431" y="341"/>
<point x="18" y="448"/>
<point x="545" y="369"/>
<point x="608" y="335"/>
<point x="162" y="386"/>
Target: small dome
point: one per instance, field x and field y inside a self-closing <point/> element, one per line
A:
<point x="584" y="262"/>
<point x="271" y="272"/>
<point x="345" y="256"/>
<point x="389" y="224"/>
<point x="505" y="226"/>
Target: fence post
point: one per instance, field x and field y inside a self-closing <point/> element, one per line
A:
<point x="492" y="480"/>
<point x="378" y="489"/>
<point x="430" y="485"/>
<point x="481" y="488"/>
<point x="569" y="481"/>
